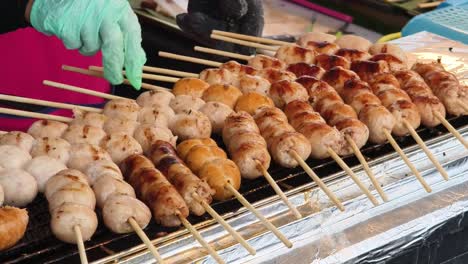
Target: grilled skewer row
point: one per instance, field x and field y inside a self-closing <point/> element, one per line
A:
<point x="210" y="163"/>
<point x="445" y="86"/>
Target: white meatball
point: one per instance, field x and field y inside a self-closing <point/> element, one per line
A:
<point x="249" y="83"/>
<point x="114" y="125"/>
<point x="217" y="76"/>
<point x="107" y="186"/>
<point x="191" y="125"/>
<point x="65" y="217"/>
<point x="119" y="208"/>
<point x="81" y="155"/>
<point x="99" y="168"/>
<point x="43" y="168"/>
<point x="354" y="42"/>
<point x="57" y="148"/>
<point x="217" y="113"/>
<point x="120" y="146"/>
<point x="88" y="118"/>
<point x="185" y="103"/>
<point x="59" y="181"/>
<point x="47" y="128"/>
<point x="122" y="108"/>
<point x="75" y="173"/>
<point x="316" y="37"/>
<point x="152" y="98"/>
<point x="76" y="134"/>
<point x="147" y="134"/>
<point x="17" y="138"/>
<point x="74" y="192"/>
<point x="2" y="196"/>
<point x="19" y="187"/>
<point x="155" y="116"/>
<point x="12" y="157"/>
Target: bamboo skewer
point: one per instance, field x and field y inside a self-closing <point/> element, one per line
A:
<point x="189" y="59"/>
<point x="34" y="115"/>
<point x="353" y="176"/>
<point x="264" y="221"/>
<point x="81" y="247"/>
<point x="200" y="239"/>
<point x="278" y="190"/>
<point x="397" y="148"/>
<point x="101" y="75"/>
<point x="244" y="43"/>
<point x="226" y="226"/>
<point x="147" y="76"/>
<point x="250" y="38"/>
<point x="451" y="129"/>
<point x="81" y="90"/>
<point x="366" y="167"/>
<point x="47" y="103"/>
<point x="145" y="240"/>
<point x="169" y="72"/>
<point x="317" y="180"/>
<point x="222" y="53"/>
<point x="423" y="146"/>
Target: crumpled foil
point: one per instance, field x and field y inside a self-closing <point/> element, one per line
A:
<point x="362" y="232"/>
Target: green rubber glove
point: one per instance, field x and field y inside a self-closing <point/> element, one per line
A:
<point x="92" y="25"/>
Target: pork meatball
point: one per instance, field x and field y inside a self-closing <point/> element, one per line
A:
<point x="119" y="208"/>
<point x="317" y="37"/>
<point x="217" y="112"/>
<point x="99" y="168"/>
<point x="122" y="108"/>
<point x="76" y="192"/>
<point x="81" y="155"/>
<point x="12" y="157"/>
<point x="17" y="138"/>
<point x="354" y="42"/>
<point x="43" y="168"/>
<point x="192" y="124"/>
<point x="249" y="83"/>
<point x="154" y="98"/>
<point x="19" y="187"/>
<point x="65" y="217"/>
<point x="217" y="76"/>
<point x="123" y="125"/>
<point x="155" y="116"/>
<point x="147" y="134"/>
<point x="107" y="186"/>
<point x="185" y="103"/>
<point x="88" y="118"/>
<point x="60" y="180"/>
<point x="47" y="128"/>
<point x="57" y="148"/>
<point x="76" y="134"/>
<point x="120" y="146"/>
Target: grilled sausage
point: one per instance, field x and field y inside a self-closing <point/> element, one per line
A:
<point x="13" y="223"/>
<point x="394" y="63"/>
<point x="165" y="158"/>
<point x="391" y="49"/>
<point x="367" y="70"/>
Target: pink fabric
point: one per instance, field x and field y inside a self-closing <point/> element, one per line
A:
<point x="29" y="57"/>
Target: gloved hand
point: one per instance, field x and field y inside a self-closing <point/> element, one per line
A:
<point x="92" y="25"/>
<point x="238" y="16"/>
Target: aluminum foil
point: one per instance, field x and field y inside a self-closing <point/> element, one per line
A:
<point x="326" y="235"/>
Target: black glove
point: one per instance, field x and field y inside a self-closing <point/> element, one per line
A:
<point x="238" y="16"/>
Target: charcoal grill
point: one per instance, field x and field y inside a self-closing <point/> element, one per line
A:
<point x="320" y="227"/>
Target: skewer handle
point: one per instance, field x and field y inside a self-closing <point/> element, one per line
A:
<point x="353" y="176"/>
<point x="189" y="59"/>
<point x="153" y="77"/>
<point x="366" y="167"/>
<point x="81" y="90"/>
<point x="79" y="242"/>
<point x="397" y="148"/>
<point x="431" y="156"/>
<point x="35" y="115"/>
<point x="25" y="100"/>
<point x="170" y="72"/>
<point x="244" y="43"/>
<point x="201" y="240"/>
<point x="278" y="191"/>
<point x="317" y="180"/>
<point x="451" y="129"/>
<point x="222" y="53"/>
<point x="264" y="221"/>
<point x="251" y="38"/>
<point x="145" y="239"/>
<point x="226" y="226"/>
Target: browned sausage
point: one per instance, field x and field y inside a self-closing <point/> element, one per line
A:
<point x="13" y="223"/>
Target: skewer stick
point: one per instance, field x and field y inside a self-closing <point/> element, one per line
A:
<point x="200" y="239"/>
<point x="79" y="242"/>
<point x="222" y="53"/>
<point x="169" y="72"/>
<point x="34" y="115"/>
<point x="20" y="99"/>
<point x="250" y="38"/>
<point x="366" y="167"/>
<point x="264" y="221"/>
<point x="451" y="129"/>
<point x="226" y="226"/>
<point x="101" y="75"/>
<point x="147" y="76"/>
<point x="406" y="160"/>
<point x="353" y="176"/>
<point x="317" y="180"/>
<point x="145" y="239"/>
<point x="81" y="90"/>
<point x="189" y="59"/>
<point x="278" y="191"/>
<point x="244" y="43"/>
<point x="431" y="156"/>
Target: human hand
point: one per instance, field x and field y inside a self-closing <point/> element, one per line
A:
<point x="93" y="25"/>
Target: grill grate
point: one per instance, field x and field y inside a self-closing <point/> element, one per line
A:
<point x="40" y="246"/>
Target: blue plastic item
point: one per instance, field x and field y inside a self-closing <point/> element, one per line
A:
<point x="450" y="21"/>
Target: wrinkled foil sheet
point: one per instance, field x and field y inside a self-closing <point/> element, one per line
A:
<point x="326" y="235"/>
